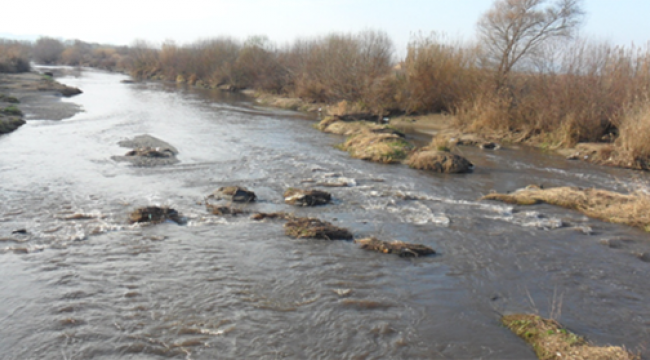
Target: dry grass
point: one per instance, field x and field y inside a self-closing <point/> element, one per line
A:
<point x="630" y="209"/>
<point x="315" y="229"/>
<point x="382" y="148"/>
<point x="632" y="144"/>
<point x="439" y="161"/>
<point x="552" y="342"/>
<point x="438" y="74"/>
<point x="395" y="247"/>
<point x="14" y="57"/>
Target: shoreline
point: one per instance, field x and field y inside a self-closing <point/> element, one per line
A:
<point x="33" y="96"/>
<point x="433" y="125"/>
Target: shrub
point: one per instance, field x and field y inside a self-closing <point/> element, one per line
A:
<point x="13" y="57"/>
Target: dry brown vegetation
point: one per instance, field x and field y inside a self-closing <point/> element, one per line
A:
<point x="553" y="342"/>
<point x="439" y="161"/>
<point x="631" y="209"/>
<point x="381" y="148"/>
<point x="14" y="57"/>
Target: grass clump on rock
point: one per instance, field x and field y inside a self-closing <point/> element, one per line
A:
<point x="306" y="197"/>
<point x="395" y="247"/>
<point x="552" y="342"/>
<point x="12" y="110"/>
<point x="439" y="161"/>
<point x="631" y="209"/>
<point x="310" y="228"/>
<point x="381" y="148"/>
<point x="154" y="215"/>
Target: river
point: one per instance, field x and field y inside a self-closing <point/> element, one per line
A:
<point x="233" y="288"/>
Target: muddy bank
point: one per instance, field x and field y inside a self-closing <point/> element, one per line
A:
<point x="39" y="96"/>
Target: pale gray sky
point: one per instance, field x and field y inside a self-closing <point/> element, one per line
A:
<point x="122" y="21"/>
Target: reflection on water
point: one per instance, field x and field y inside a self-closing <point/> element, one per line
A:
<point x="83" y="283"/>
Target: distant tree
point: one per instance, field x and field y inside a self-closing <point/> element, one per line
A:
<point x="514" y="29"/>
<point x="47" y="50"/>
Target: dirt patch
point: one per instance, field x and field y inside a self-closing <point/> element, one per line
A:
<point x="553" y="342"/>
<point x="382" y="148"/>
<point x="306" y="197"/>
<point x="234" y="194"/>
<point x="395" y="247"/>
<point x="154" y="215"/>
<point x="631" y="209"/>
<point x="311" y="228"/>
<point x="148" y="151"/>
<point x="439" y="161"/>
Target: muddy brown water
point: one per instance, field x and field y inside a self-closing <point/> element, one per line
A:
<point x="232" y="288"/>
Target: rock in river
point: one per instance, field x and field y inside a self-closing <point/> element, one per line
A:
<point x="306" y="197"/>
<point x="395" y="247"/>
<point x="234" y="193"/>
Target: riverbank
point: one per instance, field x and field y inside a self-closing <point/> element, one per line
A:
<point x="33" y="96"/>
<point x="447" y="128"/>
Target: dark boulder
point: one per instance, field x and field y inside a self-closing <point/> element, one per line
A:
<point x="395" y="247"/>
<point x="306" y="197"/>
<point x="234" y="193"/>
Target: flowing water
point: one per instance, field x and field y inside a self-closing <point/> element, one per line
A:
<point x="232" y="288"/>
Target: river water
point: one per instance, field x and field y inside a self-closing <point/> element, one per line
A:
<point x="232" y="288"/>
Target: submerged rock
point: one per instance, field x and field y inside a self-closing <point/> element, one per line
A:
<point x="224" y="210"/>
<point x="311" y="228"/>
<point x="276" y="215"/>
<point x="306" y="197"/>
<point x="395" y="247"/>
<point x="234" y="193"/>
<point x="148" y="151"/>
<point x="154" y="215"/>
<point x="439" y="161"/>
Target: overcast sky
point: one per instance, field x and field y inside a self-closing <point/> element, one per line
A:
<point x="120" y="22"/>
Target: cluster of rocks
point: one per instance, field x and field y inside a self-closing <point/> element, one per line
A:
<point x="295" y="227"/>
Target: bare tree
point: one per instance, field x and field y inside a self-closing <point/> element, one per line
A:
<point x="513" y="29"/>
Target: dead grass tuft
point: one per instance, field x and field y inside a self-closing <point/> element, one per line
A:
<point x="630" y="209"/>
<point x="311" y="228"/>
<point x="552" y="342"/>
<point x="439" y="161"/>
<point x="634" y="131"/>
<point x="395" y="247"/>
<point x="382" y="148"/>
